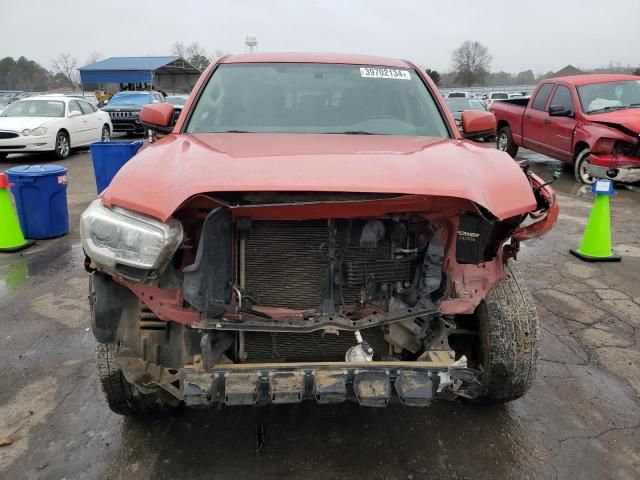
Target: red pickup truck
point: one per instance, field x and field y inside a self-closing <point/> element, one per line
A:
<point x="591" y="122"/>
<point x="314" y="226"/>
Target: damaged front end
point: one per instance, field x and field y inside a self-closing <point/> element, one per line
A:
<point x="285" y="296"/>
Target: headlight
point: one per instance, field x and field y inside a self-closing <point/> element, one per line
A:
<point x="26" y="132"/>
<point x="116" y="238"/>
<point x="38" y="132"/>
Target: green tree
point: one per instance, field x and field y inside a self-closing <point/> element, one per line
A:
<point x="435" y="76"/>
<point x="23" y="74"/>
<point x="525" y="78"/>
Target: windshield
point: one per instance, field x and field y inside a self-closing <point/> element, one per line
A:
<point x="35" y="108"/>
<point x="462" y="104"/>
<point x="602" y="97"/>
<point x="130" y="99"/>
<point x="499" y="96"/>
<point x="316" y="98"/>
<point x="176" y="100"/>
<point x="457" y="95"/>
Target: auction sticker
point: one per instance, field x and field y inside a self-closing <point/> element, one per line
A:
<point x="377" y="72"/>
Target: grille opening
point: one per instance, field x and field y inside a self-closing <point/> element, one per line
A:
<point x="263" y="347"/>
<point x="285" y="265"/>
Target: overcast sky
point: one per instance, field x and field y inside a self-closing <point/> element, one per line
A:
<point x="539" y="34"/>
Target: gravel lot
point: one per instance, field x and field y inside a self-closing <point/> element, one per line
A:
<point x="580" y="420"/>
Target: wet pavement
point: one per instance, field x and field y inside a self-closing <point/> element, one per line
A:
<point x="581" y="420"/>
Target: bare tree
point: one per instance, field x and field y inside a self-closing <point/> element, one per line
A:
<point x="194" y="50"/>
<point x="219" y="53"/>
<point x="179" y="49"/>
<point x="471" y="62"/>
<point x="94" y="57"/>
<point x="66" y="65"/>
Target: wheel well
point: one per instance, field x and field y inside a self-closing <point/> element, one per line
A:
<point x="579" y="147"/>
<point x="501" y="123"/>
<point x="64" y="130"/>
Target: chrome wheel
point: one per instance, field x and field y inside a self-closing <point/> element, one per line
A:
<point x="62" y="146"/>
<point x="581" y="171"/>
<point x="106" y="134"/>
<point x="503" y="142"/>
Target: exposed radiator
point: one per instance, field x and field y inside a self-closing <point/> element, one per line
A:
<point x="302" y="347"/>
<point x="284" y="265"/>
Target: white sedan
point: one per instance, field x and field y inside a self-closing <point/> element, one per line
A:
<point x="52" y="123"/>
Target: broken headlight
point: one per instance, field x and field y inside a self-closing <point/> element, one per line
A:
<point x="116" y="237"/>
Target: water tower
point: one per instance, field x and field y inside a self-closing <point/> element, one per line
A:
<point x="252" y="42"/>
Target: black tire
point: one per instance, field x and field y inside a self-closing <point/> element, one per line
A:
<point x="505" y="143"/>
<point x="3" y="155"/>
<point x="123" y="397"/>
<point x="62" y="146"/>
<point x="105" y="135"/>
<point x="579" y="168"/>
<point x="508" y="339"/>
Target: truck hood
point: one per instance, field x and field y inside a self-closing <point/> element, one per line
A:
<point x="167" y="173"/>
<point x="628" y="118"/>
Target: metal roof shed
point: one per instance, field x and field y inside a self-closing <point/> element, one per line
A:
<point x="171" y="72"/>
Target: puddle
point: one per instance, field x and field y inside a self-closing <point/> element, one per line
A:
<point x="13" y="278"/>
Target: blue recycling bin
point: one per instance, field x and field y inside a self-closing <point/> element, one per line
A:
<point x="40" y="192"/>
<point x="109" y="157"/>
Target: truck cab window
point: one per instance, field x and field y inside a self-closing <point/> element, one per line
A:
<point x="562" y="97"/>
<point x="541" y="97"/>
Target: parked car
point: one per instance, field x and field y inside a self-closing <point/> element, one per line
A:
<point x="591" y="122"/>
<point x="459" y="105"/>
<point x="124" y="110"/>
<point x="459" y="95"/>
<point x="51" y="123"/>
<point x="314" y="227"/>
<point x="493" y="96"/>
<point x="178" y="102"/>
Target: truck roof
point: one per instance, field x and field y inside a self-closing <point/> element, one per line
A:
<point x="336" y="58"/>
<point x="578" y="80"/>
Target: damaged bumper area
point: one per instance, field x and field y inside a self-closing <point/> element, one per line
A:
<point x="352" y="298"/>
<point x="371" y="384"/>
<point x="626" y="170"/>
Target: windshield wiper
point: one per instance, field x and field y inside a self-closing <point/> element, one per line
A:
<point x="356" y="132"/>
<point x="610" y="109"/>
<point x="233" y="131"/>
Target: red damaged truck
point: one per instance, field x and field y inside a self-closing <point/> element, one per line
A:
<point x="590" y="122"/>
<point x="313" y="227"/>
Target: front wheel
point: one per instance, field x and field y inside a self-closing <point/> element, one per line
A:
<point x="508" y="339"/>
<point x="63" y="146"/>
<point x="505" y="143"/>
<point x="580" y="171"/>
<point x="123" y="397"/>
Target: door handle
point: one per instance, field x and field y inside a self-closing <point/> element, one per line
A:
<point x="547" y="121"/>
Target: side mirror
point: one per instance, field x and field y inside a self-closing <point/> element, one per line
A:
<point x="559" y="111"/>
<point x="477" y="124"/>
<point x="157" y="117"/>
<point x="74" y="113"/>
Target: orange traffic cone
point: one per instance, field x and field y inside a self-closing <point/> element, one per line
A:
<point x="11" y="239"/>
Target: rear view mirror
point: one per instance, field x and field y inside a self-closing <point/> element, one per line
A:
<point x="157" y="117"/>
<point x="559" y="111"/>
<point x="477" y="125"/>
<point x="74" y="113"/>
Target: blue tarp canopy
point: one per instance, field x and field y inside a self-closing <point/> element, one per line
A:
<point x="136" y="70"/>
